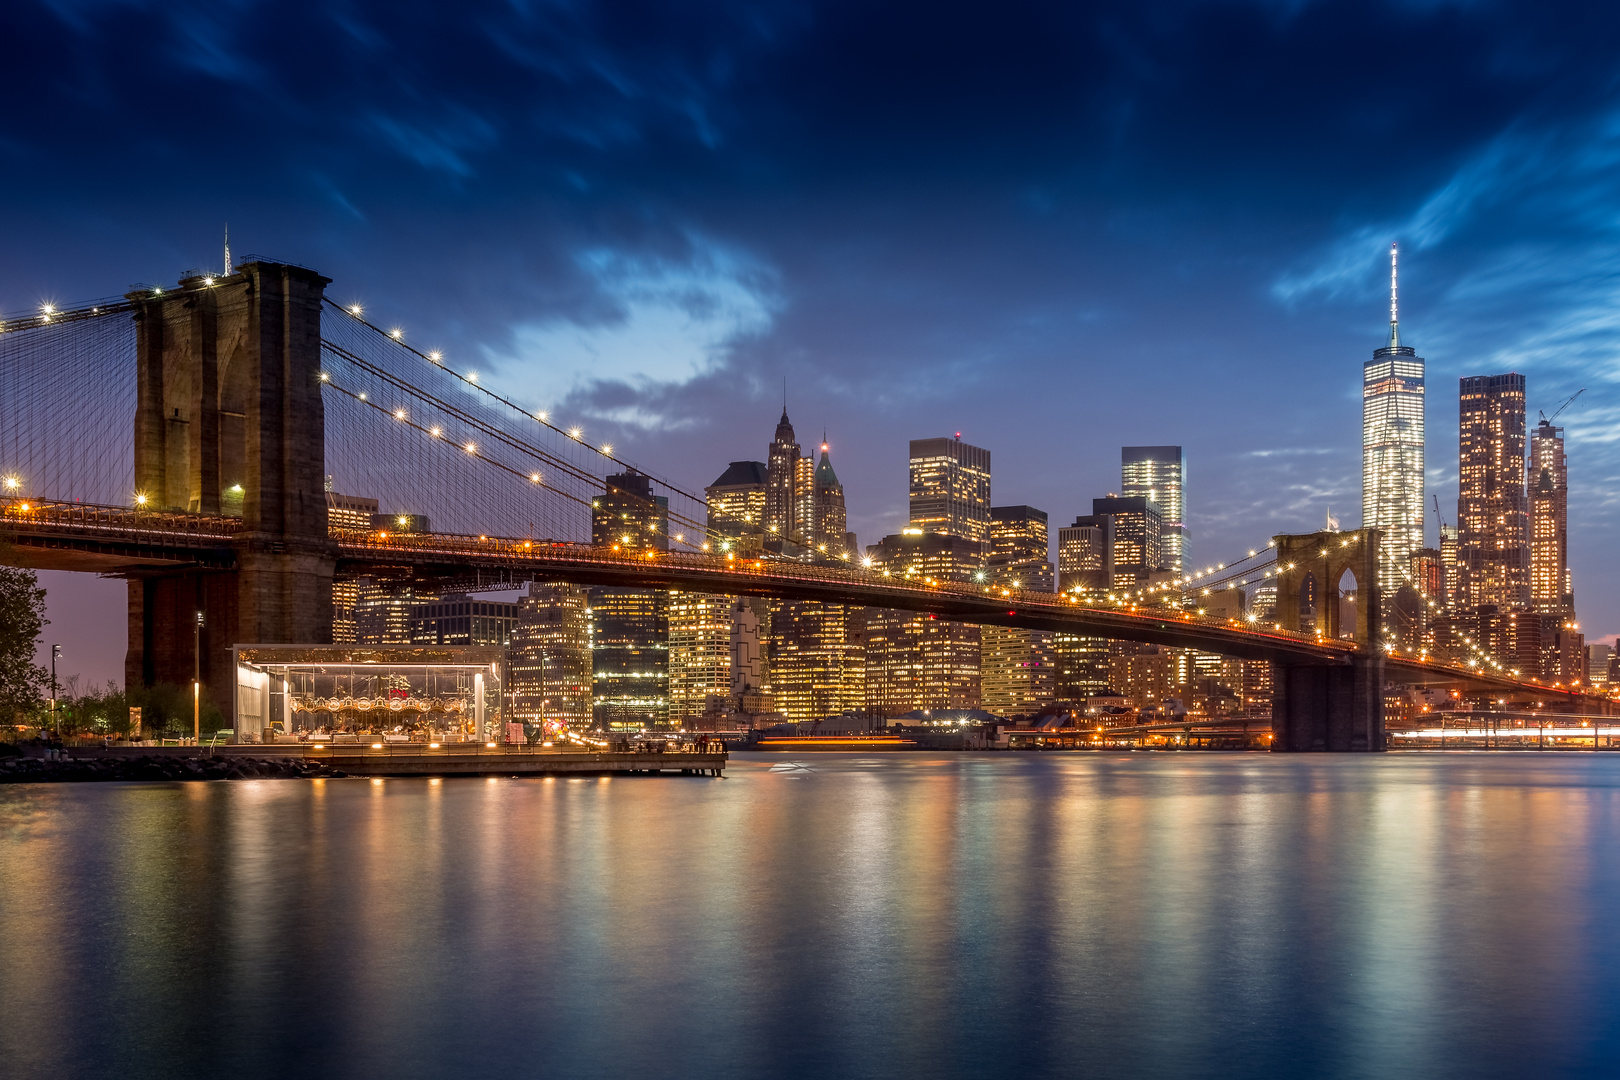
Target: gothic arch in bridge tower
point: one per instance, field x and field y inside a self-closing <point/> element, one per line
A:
<point x="1330" y="705"/>
<point x="1310" y="570"/>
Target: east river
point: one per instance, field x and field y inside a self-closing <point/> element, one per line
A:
<point x="903" y="915"/>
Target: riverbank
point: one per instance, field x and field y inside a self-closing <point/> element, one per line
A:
<point x="36" y="770"/>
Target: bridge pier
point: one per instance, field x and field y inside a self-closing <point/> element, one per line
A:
<point x="1338" y="707"/>
<point x="229" y="420"/>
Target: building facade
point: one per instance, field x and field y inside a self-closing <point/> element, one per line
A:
<point x="630" y="627"/>
<point x="551" y="655"/>
<point x="1159" y="474"/>
<point x="737" y="503"/>
<point x="699" y="653"/>
<point x="1493" y="521"/>
<point x="830" y="520"/>
<point x="1138" y="550"/>
<point x="950" y="489"/>
<point x="1551" y="589"/>
<point x="1392" y="449"/>
<point x="1018" y="668"/>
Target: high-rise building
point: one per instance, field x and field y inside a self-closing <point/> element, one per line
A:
<point x="831" y="520"/>
<point x="630" y="627"/>
<point x="1086" y="554"/>
<point x="460" y="619"/>
<point x="1159" y="473"/>
<point x="1493" y="522"/>
<point x="737" y="501"/>
<point x="1551" y="589"/>
<point x="1138" y="530"/>
<point x="817" y="661"/>
<point x="1451" y="568"/>
<point x="783" y="486"/>
<point x="349" y="512"/>
<point x="1598" y="655"/>
<point x="699" y="653"/>
<point x="551" y="655"/>
<point x="1392" y="449"/>
<point x="1020" y="548"/>
<point x="1018" y="668"/>
<point x="383" y="609"/>
<point x="914" y="661"/>
<point x="950" y="488"/>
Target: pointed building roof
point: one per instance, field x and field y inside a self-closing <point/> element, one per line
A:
<point x="825" y="477"/>
<point x="739" y="473"/>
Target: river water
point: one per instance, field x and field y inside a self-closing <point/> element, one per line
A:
<point x="903" y="915"/>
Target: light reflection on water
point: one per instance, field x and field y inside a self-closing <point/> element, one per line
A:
<point x="831" y="915"/>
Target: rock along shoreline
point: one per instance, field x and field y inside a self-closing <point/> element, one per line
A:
<point x="30" y="770"/>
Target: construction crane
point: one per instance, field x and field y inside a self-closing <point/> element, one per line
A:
<point x="1545" y="419"/>
<point x="1437" y="516"/>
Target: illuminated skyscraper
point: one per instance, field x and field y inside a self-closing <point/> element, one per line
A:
<point x="737" y="501"/>
<point x="699" y="653"/>
<point x="1550" y="587"/>
<point x="1159" y="473"/>
<point x="1138" y="547"/>
<point x="829" y="536"/>
<point x="1086" y="554"/>
<point x="630" y="627"/>
<point x="950" y="489"/>
<point x="915" y="661"/>
<point x="1492" y="519"/>
<point x="784" y="486"/>
<point x="1017" y="667"/>
<point x="1392" y="449"/>
<point x="551" y="655"/>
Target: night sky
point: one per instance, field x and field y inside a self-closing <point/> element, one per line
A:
<point x="1055" y="228"/>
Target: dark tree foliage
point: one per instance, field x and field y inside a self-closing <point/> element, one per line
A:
<point x="22" y="617"/>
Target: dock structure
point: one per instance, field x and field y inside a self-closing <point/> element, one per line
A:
<point x="454" y="759"/>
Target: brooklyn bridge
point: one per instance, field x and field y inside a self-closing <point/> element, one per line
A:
<point x="183" y="439"/>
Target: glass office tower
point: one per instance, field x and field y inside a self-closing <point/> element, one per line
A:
<point x="1392" y="449"/>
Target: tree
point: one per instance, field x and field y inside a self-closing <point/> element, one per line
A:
<point x="22" y="617"/>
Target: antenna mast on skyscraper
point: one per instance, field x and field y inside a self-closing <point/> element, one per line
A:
<point x="227" y="249"/>
<point x="1394" y="312"/>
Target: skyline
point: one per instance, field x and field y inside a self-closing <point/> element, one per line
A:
<point x="1059" y="233"/>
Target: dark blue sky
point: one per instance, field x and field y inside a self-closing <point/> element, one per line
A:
<point x="1055" y="228"/>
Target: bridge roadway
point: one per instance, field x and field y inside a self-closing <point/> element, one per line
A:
<point x="125" y="542"/>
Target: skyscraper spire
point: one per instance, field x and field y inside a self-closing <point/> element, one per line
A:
<point x="227" y="249"/>
<point x="1394" y="314"/>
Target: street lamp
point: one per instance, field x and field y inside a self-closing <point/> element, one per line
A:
<point x="56" y="650"/>
<point x="196" y="681"/>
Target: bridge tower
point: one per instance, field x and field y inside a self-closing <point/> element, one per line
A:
<point x="1329" y="706"/>
<point x="229" y="421"/>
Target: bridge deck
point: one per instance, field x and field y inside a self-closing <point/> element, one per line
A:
<point x="124" y="540"/>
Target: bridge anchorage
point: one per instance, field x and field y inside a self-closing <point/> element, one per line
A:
<point x="245" y="392"/>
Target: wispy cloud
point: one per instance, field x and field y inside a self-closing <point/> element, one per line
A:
<point x="663" y="322"/>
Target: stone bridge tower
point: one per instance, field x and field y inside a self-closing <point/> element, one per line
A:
<point x="229" y="420"/>
<point x="1329" y="706"/>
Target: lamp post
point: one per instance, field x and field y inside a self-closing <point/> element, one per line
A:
<point x="56" y="725"/>
<point x="196" y="681"/>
